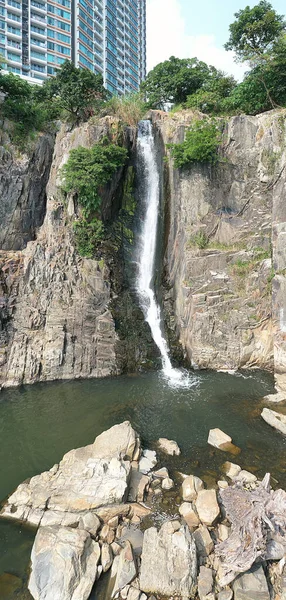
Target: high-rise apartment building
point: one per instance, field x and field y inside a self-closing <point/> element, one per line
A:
<point x="105" y="36"/>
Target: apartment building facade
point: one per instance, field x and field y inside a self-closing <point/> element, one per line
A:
<point x="105" y="36"/>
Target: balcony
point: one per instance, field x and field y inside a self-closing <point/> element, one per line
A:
<point x="39" y="18"/>
<point x="14" y="5"/>
<point x="38" y="32"/>
<point x="15" y="45"/>
<point x="14" y="32"/>
<point x="38" y="6"/>
<point x="38" y="43"/>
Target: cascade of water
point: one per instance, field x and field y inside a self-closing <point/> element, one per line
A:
<point x="150" y="196"/>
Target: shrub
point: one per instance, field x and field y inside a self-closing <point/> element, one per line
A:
<point x="89" y="168"/>
<point x="86" y="170"/>
<point x="200" y="145"/>
<point x="129" y="109"/>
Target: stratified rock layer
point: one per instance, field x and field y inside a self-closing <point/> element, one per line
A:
<point x="219" y="272"/>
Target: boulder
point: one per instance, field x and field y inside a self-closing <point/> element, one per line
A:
<point x="169" y="447"/>
<point x="161" y="473"/>
<point x="207" y="506"/>
<point x="64" y="564"/>
<point x="189" y="515"/>
<point x="275" y="419"/>
<point x="218" y="438"/>
<point x="205" y="583"/>
<point x="251" y="585"/>
<point x="167" y="484"/>
<point x="85" y="479"/>
<point x="190" y="487"/>
<point x="106" y="557"/>
<point x="225" y="595"/>
<point x="126" y="569"/>
<point x="222" y="484"/>
<point x="147" y="461"/>
<point x="231" y="469"/>
<point x="137" y="486"/>
<point x="169" y="561"/>
<point x="204" y="542"/>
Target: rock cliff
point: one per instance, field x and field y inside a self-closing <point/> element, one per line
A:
<point x="56" y="322"/>
<point x="64" y="317"/>
<point x="225" y="250"/>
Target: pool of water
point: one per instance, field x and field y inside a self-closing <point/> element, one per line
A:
<point x="39" y="423"/>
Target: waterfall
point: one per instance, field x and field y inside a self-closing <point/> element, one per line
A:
<point x="150" y="197"/>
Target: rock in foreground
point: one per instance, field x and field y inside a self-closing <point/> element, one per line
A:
<point x="64" y="564"/>
<point x="169" y="561"/>
<point x="85" y="479"/>
<point x="275" y="419"/>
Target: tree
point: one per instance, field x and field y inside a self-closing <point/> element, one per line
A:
<point x="173" y="80"/>
<point x="210" y="97"/>
<point x="255" y="31"/>
<point x="79" y="92"/>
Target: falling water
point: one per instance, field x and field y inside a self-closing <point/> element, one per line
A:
<point x="150" y="191"/>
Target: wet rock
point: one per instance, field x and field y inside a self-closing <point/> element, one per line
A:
<point x="218" y="438"/>
<point x="207" y="506"/>
<point x="231" y="469"/>
<point x="85" y="479"/>
<point x="106" y="557"/>
<point x="190" y="516"/>
<point x="169" y="561"/>
<point x="126" y="568"/>
<point x="134" y="535"/>
<point x="161" y="473"/>
<point x="190" y="487"/>
<point x="167" y="484"/>
<point x="278" y="397"/>
<point x="205" y="582"/>
<point x="169" y="447"/>
<point x="204" y="542"/>
<point x="64" y="564"/>
<point x="251" y="585"/>
<point x="275" y="419"/>
<point x="147" y="461"/>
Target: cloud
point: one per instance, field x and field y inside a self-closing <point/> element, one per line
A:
<point x="166" y="36"/>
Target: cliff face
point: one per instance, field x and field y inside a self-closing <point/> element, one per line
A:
<point x="223" y="222"/>
<point x="23" y="181"/>
<point x="56" y="322"/>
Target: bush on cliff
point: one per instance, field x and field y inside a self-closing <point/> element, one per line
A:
<point x="86" y="171"/>
<point x="200" y="145"/>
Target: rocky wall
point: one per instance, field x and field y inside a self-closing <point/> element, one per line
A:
<point x="61" y="326"/>
<point x="223" y="221"/>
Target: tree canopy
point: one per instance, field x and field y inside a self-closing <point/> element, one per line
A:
<point x="255" y="31"/>
<point x="173" y="80"/>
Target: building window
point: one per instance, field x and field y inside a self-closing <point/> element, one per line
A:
<point x="63" y="50"/>
<point x="14" y="57"/>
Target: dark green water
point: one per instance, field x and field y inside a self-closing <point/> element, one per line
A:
<point x="38" y="424"/>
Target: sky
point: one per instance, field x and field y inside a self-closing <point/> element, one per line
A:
<point x="188" y="28"/>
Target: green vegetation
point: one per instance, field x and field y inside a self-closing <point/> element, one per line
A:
<point x="199" y="240"/>
<point x="200" y="145"/>
<point x="129" y="109"/>
<point x="73" y="95"/>
<point x="86" y="171"/>
<point x="242" y="268"/>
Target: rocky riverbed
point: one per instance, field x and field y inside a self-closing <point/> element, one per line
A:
<point x="105" y="512"/>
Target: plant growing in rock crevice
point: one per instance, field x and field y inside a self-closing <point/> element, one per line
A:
<point x="86" y="171"/>
<point x="201" y="144"/>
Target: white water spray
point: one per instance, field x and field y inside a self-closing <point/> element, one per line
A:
<point x="150" y="191"/>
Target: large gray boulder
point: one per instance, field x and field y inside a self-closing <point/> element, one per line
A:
<point x="64" y="564"/>
<point x="169" y="561"/>
<point x="85" y="479"/>
<point x="251" y="585"/>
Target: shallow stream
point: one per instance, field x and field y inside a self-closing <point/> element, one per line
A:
<point x="39" y="423"/>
